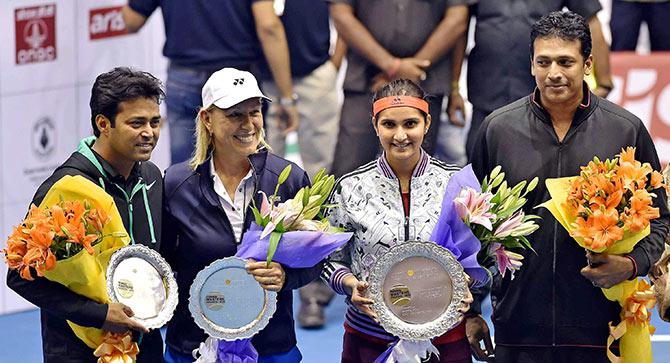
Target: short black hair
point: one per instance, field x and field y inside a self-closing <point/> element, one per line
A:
<point x="565" y="25"/>
<point x="401" y="87"/>
<point x="119" y="85"/>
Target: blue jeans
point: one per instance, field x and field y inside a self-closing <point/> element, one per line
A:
<point x="292" y="356"/>
<point x="183" y="100"/>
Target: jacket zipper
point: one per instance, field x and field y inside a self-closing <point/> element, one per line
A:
<point x="553" y="266"/>
<point x="409" y="205"/>
<point x="129" y="201"/>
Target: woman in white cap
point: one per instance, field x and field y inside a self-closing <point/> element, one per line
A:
<point x="207" y="211"/>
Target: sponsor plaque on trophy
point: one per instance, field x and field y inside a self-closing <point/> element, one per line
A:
<point x="417" y="288"/>
<point x="228" y="303"/>
<point x="141" y="279"/>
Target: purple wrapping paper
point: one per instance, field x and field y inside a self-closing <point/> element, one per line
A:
<point x="452" y="233"/>
<point x="238" y="351"/>
<point x="297" y="249"/>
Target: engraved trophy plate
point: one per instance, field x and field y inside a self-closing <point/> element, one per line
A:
<point x="417" y="288"/>
<point x="140" y="278"/>
<point x="228" y="303"/>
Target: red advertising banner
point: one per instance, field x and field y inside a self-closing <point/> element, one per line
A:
<point x="643" y="88"/>
<point x="35" y="33"/>
<point x="106" y="23"/>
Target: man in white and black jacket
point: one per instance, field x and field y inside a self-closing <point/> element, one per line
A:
<point x="126" y="124"/>
<point x="554" y="309"/>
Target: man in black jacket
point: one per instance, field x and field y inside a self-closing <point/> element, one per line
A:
<point x="554" y="309"/>
<point x="126" y="124"/>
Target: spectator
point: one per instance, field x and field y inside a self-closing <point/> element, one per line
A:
<point x="314" y="71"/>
<point x="628" y="15"/>
<point x="204" y="36"/>
<point x="387" y="40"/>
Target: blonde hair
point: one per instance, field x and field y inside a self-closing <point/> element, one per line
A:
<point x="204" y="143"/>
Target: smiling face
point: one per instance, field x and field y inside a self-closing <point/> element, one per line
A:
<point x="401" y="131"/>
<point x="135" y="132"/>
<point x="235" y="130"/>
<point x="559" y="69"/>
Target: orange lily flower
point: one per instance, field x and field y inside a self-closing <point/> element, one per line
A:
<point x="605" y="231"/>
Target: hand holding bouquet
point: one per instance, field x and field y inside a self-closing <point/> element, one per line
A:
<point x="69" y="239"/>
<point x="608" y="209"/>
<point x="294" y="234"/>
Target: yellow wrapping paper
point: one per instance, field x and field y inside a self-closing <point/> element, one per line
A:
<point x="84" y="273"/>
<point x="635" y="343"/>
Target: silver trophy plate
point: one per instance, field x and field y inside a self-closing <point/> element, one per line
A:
<point x="228" y="303"/>
<point x="417" y="288"/>
<point x="141" y="279"/>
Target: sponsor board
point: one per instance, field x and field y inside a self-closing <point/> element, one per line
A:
<point x="35" y="34"/>
<point x="106" y="23"/>
<point x="642" y="86"/>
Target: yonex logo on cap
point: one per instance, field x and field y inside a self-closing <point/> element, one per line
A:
<point x="237" y="81"/>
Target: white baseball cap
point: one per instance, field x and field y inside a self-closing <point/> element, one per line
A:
<point x="229" y="86"/>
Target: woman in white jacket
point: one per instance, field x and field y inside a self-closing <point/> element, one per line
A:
<point x="386" y="202"/>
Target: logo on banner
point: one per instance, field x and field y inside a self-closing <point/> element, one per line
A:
<point x="643" y="88"/>
<point x="35" y="30"/>
<point x="43" y="138"/>
<point x="106" y="23"/>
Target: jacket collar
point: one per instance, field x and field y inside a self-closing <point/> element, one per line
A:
<point x="589" y="101"/>
<point x="104" y="168"/>
<point x="419" y="169"/>
<point x="257" y="161"/>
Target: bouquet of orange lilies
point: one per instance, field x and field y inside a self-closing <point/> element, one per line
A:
<point x="55" y="233"/>
<point x="608" y="209"/>
<point x="69" y="239"/>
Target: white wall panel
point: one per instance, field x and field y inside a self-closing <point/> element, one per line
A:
<point x="39" y="133"/>
<point x="102" y="44"/>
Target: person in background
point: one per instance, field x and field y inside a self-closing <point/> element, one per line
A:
<point x="498" y="71"/>
<point x="206" y="212"/>
<point x="628" y="15"/>
<point x="203" y="36"/>
<point x="316" y="99"/>
<point x="387" y="40"/>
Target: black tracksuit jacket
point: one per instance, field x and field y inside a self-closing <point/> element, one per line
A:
<point x="549" y="303"/>
<point x="58" y="304"/>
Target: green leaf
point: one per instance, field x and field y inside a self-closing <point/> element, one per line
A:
<point x="305" y="197"/>
<point x="280" y="227"/>
<point x="485" y="184"/>
<point x="319" y="175"/>
<point x="257" y="216"/>
<point x="316" y="187"/>
<point x="284" y="175"/>
<point x="275" y="237"/>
